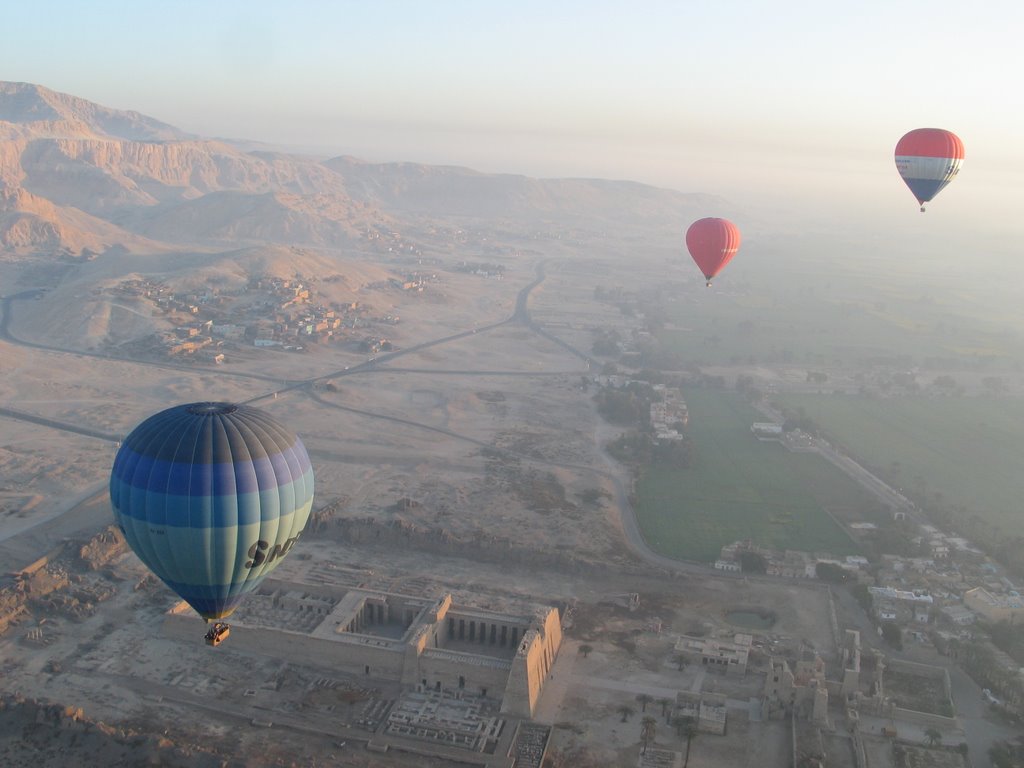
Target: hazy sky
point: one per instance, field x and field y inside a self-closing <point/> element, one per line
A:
<point x="786" y="104"/>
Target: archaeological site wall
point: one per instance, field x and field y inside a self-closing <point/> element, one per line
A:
<point x="422" y="642"/>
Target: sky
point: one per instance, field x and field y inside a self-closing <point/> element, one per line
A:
<point x="784" y="106"/>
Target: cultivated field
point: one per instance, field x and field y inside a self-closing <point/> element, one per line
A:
<point x="740" y="488"/>
<point x="965" y="448"/>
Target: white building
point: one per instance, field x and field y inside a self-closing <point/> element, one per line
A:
<point x="959" y="614"/>
<point x="715" y="654"/>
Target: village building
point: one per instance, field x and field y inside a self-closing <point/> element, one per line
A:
<point x="995" y="607"/>
<point x="728" y="657"/>
<point x="960" y="615"/>
<point x="707" y="710"/>
<point x="792" y="564"/>
<point x="668" y="413"/>
<point x="802" y="693"/>
<point x="893" y="604"/>
<point x="766" y="430"/>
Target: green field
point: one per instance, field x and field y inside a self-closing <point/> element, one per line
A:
<point x="955" y="452"/>
<point x="740" y="488"/>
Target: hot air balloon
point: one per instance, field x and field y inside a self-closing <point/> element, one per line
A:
<point x="928" y="159"/>
<point x="712" y="244"/>
<point x="211" y="497"/>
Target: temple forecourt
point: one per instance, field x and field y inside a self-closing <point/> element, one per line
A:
<point x="427" y="644"/>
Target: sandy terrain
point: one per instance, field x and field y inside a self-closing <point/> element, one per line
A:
<point x="467" y="464"/>
<point x="489" y="434"/>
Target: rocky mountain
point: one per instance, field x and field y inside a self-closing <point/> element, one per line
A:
<point x="75" y="175"/>
<point x="40" y="111"/>
<point x="447" y="190"/>
<point x="79" y="177"/>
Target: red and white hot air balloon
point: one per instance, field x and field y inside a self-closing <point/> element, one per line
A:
<point x="712" y="244"/>
<point x="928" y="159"/>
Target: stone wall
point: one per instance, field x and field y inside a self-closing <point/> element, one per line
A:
<point x="478" y="675"/>
<point x="926" y="719"/>
<point x="352" y="655"/>
<point x="420" y="658"/>
<point x="533" y="660"/>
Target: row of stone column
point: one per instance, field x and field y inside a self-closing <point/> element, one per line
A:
<point x="482" y="632"/>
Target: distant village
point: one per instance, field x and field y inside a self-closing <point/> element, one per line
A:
<point x="936" y="598"/>
<point x="268" y="312"/>
<point x="281" y="313"/>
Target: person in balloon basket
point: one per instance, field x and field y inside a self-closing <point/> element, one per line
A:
<point x="217" y="633"/>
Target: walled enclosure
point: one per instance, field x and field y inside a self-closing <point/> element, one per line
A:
<point x="417" y="641"/>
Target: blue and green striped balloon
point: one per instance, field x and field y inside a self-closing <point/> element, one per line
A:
<point x="211" y="496"/>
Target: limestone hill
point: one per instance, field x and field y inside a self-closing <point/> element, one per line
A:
<point x="108" y="177"/>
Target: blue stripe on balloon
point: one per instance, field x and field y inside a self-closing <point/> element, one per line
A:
<point x="204" y="510"/>
<point x="214" y="601"/>
<point x="222" y="478"/>
<point x="925" y="189"/>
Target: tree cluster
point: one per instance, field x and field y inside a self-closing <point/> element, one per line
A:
<point x="621" y="406"/>
<point x="892" y="634"/>
<point x="831" y="573"/>
<point x="753" y="562"/>
<point x="1007" y="754"/>
<point x="638" y="448"/>
<point x="630" y="405"/>
<point x="978" y="660"/>
<point x="607" y="343"/>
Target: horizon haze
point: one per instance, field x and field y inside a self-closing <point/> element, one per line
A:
<point x="779" y="108"/>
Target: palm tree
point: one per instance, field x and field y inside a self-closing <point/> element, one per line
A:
<point x="648" y="727"/>
<point x="933" y="736"/>
<point x="680" y="661"/>
<point x="686" y="727"/>
<point x="585" y="650"/>
<point x="625" y="710"/>
<point x="643" y="699"/>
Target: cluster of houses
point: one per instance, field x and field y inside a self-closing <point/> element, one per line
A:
<point x="787" y="564"/>
<point x="955" y="586"/>
<point x="285" y="314"/>
<point x="669" y="413"/>
<point x="414" y="282"/>
<point x="481" y="269"/>
<point x="390" y="242"/>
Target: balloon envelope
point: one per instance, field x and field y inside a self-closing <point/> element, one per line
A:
<point x="211" y="496"/>
<point x="712" y="243"/>
<point x="928" y="159"/>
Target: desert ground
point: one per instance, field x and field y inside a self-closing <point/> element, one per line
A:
<point x="490" y="436"/>
<point x="469" y="459"/>
<point x="475" y="416"/>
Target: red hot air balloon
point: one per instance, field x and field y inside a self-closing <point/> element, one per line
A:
<point x="712" y="244"/>
<point x="928" y="159"/>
